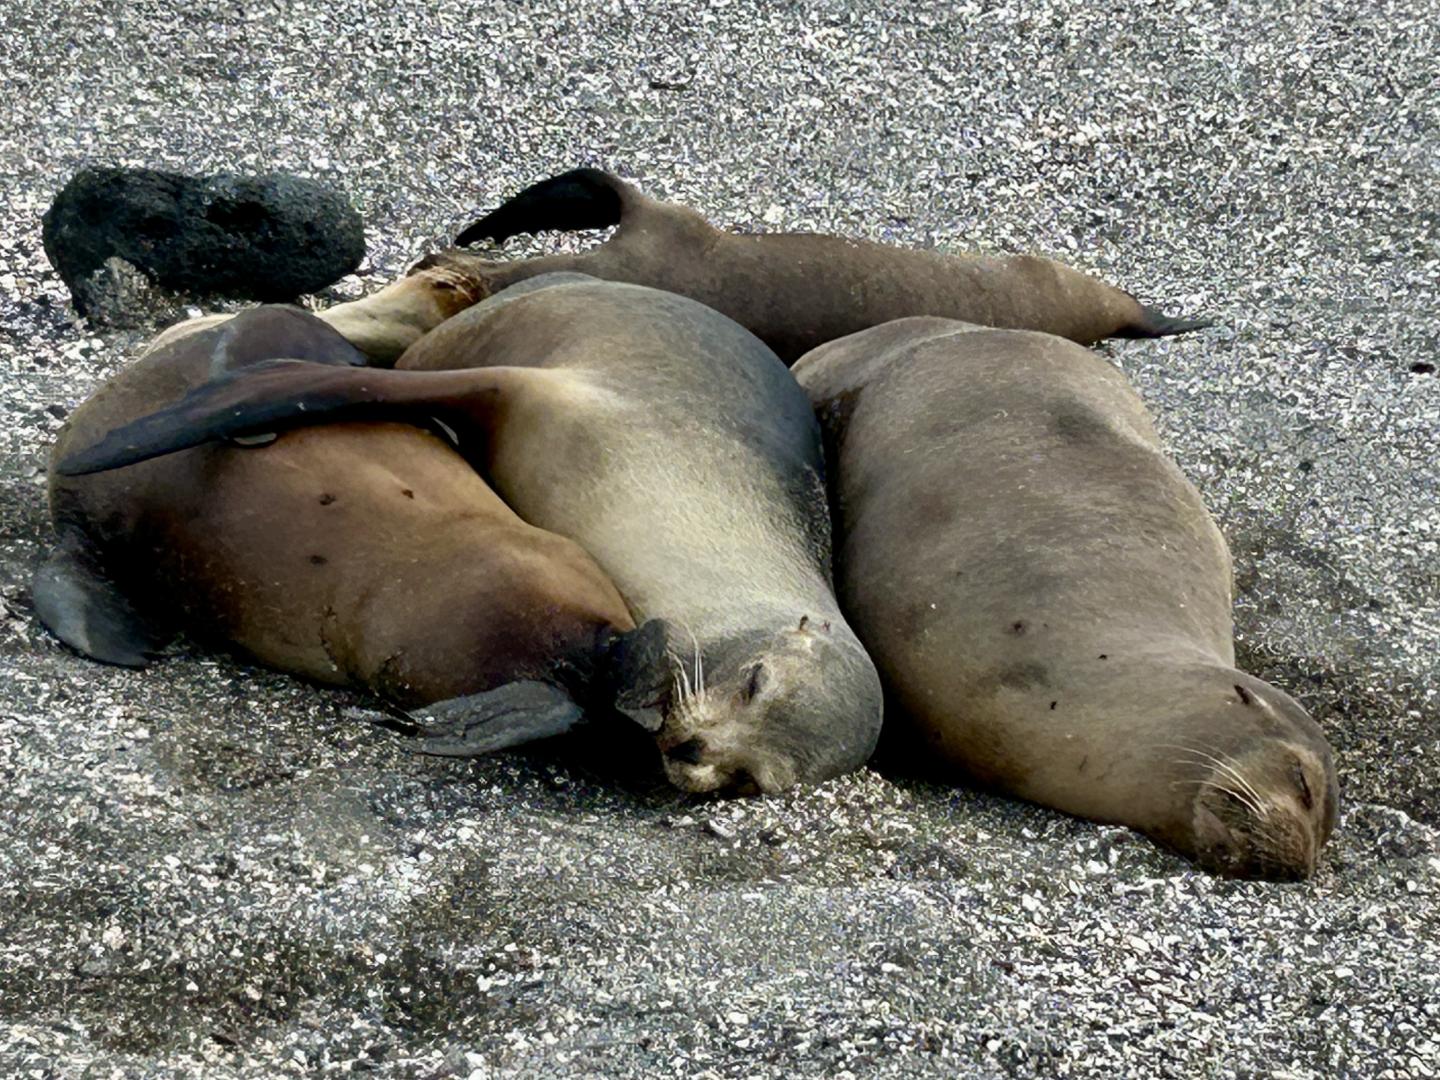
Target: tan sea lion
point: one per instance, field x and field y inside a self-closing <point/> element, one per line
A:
<point x="796" y="291"/>
<point x="366" y="553"/>
<point x="672" y="445"/>
<point x="385" y="323"/>
<point x="1048" y="600"/>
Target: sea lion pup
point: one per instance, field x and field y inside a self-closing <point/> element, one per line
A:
<point x="676" y="449"/>
<point x="1048" y="600"/>
<point x="796" y="291"/>
<point x="387" y="322"/>
<point x="367" y="554"/>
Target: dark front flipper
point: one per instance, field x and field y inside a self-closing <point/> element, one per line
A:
<point x="86" y="610"/>
<point x="510" y="715"/>
<point x="1154" y="323"/>
<point x="642" y="672"/>
<point x="579" y="199"/>
<point x="276" y="395"/>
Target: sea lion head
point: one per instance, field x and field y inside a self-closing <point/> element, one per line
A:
<point x="761" y="712"/>
<point x="1264" y="805"/>
<point x="457" y="281"/>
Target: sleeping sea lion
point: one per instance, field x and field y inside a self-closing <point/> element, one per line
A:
<point x="796" y="291"/>
<point x="1047" y="598"/>
<point x="365" y="553"/>
<point x="670" y="443"/>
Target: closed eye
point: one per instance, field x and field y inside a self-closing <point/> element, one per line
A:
<point x="1297" y="774"/>
<point x="688" y="752"/>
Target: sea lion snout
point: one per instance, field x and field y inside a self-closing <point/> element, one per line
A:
<point x="1264" y="814"/>
<point x="765" y="712"/>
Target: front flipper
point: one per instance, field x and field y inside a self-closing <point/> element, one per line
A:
<point x="276" y="395"/>
<point x="579" y="199"/>
<point x="510" y="715"/>
<point x="642" y="673"/>
<point x="84" y="608"/>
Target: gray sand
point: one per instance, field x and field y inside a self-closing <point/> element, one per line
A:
<point x="211" y="870"/>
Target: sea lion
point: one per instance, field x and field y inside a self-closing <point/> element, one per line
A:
<point x="670" y="443"/>
<point x="385" y="323"/>
<point x="796" y="291"/>
<point x="381" y="325"/>
<point x="366" y="554"/>
<point x="1048" y="600"/>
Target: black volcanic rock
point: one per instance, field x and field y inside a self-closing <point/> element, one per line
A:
<point x="264" y="238"/>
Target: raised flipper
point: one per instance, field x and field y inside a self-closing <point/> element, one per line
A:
<point x="1154" y="323"/>
<point x="579" y="199"/>
<point x="510" y="715"/>
<point x="275" y="395"/>
<point x="85" y="609"/>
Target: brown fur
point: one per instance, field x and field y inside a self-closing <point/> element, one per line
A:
<point x="670" y="443"/>
<point x="796" y="291"/>
<point x="368" y="554"/>
<point x="1061" y="631"/>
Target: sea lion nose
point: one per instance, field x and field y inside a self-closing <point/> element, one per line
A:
<point x="687" y="752"/>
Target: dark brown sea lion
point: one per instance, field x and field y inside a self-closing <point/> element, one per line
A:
<point x="668" y="441"/>
<point x="1048" y="600"/>
<point x="796" y="291"/>
<point x="367" y="554"/>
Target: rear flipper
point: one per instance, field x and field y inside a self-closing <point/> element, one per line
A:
<point x="510" y="715"/>
<point x="579" y="199"/>
<point x="275" y="330"/>
<point x="85" y="609"/>
<point x="1154" y="323"/>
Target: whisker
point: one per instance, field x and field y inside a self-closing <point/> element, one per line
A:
<point x="1230" y="770"/>
<point x="699" y="664"/>
<point x="682" y="678"/>
<point x="1239" y="797"/>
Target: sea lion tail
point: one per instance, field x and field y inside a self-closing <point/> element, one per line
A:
<point x="510" y="715"/>
<point x="1154" y="323"/>
<point x="579" y="199"/>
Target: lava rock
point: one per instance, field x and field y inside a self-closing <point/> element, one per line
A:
<point x="119" y="296"/>
<point x="263" y="238"/>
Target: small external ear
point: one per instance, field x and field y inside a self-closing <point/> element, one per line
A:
<point x="1297" y="777"/>
<point x="804" y="622"/>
